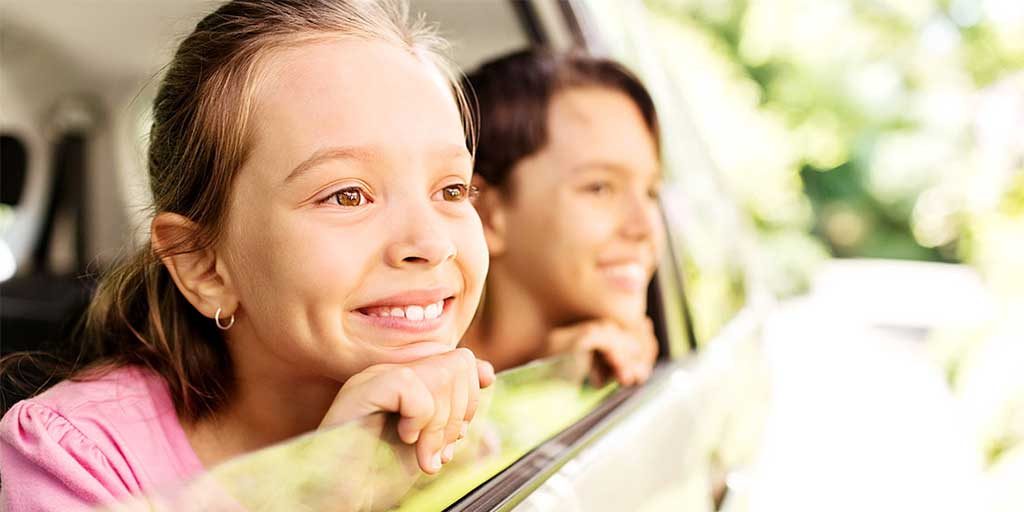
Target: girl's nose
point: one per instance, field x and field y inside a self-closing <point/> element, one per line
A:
<point x="430" y="253"/>
<point x="423" y="243"/>
<point x="640" y="218"/>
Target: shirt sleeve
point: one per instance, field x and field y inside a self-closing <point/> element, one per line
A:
<point x="46" y="463"/>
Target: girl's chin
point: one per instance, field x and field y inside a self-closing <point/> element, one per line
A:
<point x="625" y="311"/>
<point x="413" y="351"/>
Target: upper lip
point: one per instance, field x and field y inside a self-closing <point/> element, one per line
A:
<point x="611" y="262"/>
<point x="412" y="297"/>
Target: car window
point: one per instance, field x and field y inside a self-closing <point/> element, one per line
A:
<point x="708" y="237"/>
<point x="361" y="465"/>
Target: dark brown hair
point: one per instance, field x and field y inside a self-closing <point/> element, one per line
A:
<point x="199" y="139"/>
<point x="513" y="93"/>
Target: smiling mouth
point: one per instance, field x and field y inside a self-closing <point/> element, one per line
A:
<point x="409" y="317"/>
<point x="414" y="312"/>
<point x="626" y="276"/>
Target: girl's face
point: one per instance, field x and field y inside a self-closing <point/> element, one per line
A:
<point x="351" y="240"/>
<point x="583" y="227"/>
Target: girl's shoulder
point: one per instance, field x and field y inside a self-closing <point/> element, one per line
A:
<point x="111" y="403"/>
<point x="98" y="388"/>
<point x="100" y="438"/>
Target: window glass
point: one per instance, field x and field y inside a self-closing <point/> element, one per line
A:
<point x="707" y="233"/>
<point x="362" y="465"/>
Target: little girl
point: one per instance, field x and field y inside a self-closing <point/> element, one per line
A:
<point x="569" y="171"/>
<point x="313" y="258"/>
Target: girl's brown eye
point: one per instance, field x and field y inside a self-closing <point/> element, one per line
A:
<point x="599" y="188"/>
<point x="352" y="196"/>
<point x="456" y="192"/>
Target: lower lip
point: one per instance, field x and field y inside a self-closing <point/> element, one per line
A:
<point x="632" y="280"/>
<point x="401" y="324"/>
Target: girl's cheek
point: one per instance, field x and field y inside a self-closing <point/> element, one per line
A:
<point x="473" y="256"/>
<point x="590" y="222"/>
<point x="475" y="249"/>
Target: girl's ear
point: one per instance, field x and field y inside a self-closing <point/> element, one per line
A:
<point x="199" y="274"/>
<point x="491" y="205"/>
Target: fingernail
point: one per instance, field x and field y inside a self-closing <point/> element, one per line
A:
<point x="449" y="452"/>
<point x="436" y="461"/>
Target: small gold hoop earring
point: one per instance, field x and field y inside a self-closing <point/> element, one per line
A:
<point x="216" y="319"/>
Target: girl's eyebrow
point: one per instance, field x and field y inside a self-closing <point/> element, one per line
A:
<point x="445" y="153"/>
<point x="614" y="167"/>
<point x="361" y="153"/>
<point x="367" y="154"/>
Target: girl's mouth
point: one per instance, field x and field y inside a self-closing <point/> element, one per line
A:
<point x="628" y="277"/>
<point x="416" y="318"/>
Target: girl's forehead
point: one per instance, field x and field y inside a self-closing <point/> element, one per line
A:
<point x="352" y="94"/>
<point x="343" y="74"/>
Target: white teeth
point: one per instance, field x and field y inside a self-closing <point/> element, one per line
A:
<point x="628" y="270"/>
<point x="432" y="311"/>
<point x="630" y="275"/>
<point x="414" y="313"/>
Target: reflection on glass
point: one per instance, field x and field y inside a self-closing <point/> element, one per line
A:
<point x="713" y="275"/>
<point x="691" y="440"/>
<point x="362" y="466"/>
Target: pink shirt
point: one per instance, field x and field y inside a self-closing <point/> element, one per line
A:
<point x="82" y="444"/>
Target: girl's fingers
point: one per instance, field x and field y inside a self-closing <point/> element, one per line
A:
<point x="616" y="353"/>
<point x="485" y="371"/>
<point x="431" y="440"/>
<point x="459" y="391"/>
<point x="416" y="405"/>
<point x="473" y="385"/>
<point x="632" y="351"/>
<point x="435" y="398"/>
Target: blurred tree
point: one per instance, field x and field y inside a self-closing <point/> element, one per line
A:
<point x="875" y="102"/>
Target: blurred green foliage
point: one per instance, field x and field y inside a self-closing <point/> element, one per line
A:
<point x="876" y="111"/>
<point x="887" y="129"/>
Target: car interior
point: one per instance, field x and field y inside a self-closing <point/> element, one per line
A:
<point x="76" y="82"/>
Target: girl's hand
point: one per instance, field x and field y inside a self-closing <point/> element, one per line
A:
<point x="436" y="398"/>
<point x="628" y="352"/>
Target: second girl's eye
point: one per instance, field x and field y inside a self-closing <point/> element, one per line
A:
<point x="598" y="187"/>
<point x="349" y="197"/>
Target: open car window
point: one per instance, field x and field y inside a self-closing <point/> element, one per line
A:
<point x="708" y="235"/>
<point x="362" y="466"/>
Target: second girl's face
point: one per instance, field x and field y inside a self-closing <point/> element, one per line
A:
<point x="351" y="240"/>
<point x="583" y="227"/>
